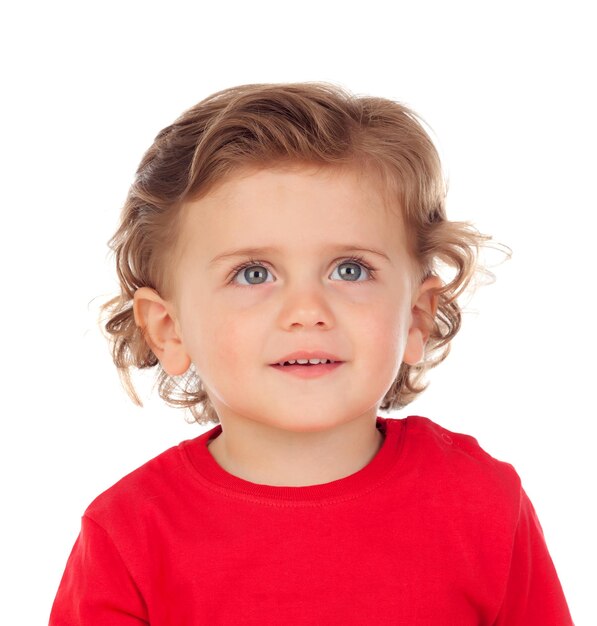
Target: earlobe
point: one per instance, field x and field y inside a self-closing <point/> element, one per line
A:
<point x="423" y="312"/>
<point x="156" y="318"/>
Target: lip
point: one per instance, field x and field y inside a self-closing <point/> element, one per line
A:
<point x="308" y="354"/>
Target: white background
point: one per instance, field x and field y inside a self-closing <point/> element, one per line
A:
<point x="508" y="89"/>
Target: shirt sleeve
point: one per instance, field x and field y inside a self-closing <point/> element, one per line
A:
<point x="96" y="588"/>
<point x="534" y="595"/>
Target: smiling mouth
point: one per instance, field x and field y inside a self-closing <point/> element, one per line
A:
<point x="307" y="370"/>
<point x="308" y="361"/>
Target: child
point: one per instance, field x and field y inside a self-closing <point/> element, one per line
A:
<point x="278" y="257"/>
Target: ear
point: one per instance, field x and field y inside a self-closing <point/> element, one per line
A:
<point x="156" y="318"/>
<point x="423" y="311"/>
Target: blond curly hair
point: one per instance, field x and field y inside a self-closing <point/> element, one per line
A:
<point x="265" y="125"/>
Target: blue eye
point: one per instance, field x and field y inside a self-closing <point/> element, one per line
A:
<point x="353" y="271"/>
<point x="253" y="272"/>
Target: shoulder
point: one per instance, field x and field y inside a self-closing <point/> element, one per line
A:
<point x="153" y="482"/>
<point x="457" y="448"/>
<point x="455" y="462"/>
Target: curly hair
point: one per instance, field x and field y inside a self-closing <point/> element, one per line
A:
<point x="265" y="125"/>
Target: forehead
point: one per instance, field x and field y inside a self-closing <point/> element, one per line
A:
<point x="294" y="209"/>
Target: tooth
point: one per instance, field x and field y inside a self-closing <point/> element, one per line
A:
<point x="306" y="361"/>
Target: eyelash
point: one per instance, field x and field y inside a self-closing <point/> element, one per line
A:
<point x="251" y="262"/>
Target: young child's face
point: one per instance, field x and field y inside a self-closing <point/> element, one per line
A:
<point x="296" y="294"/>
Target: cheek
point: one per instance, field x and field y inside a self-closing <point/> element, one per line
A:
<point x="233" y="339"/>
<point x="384" y="340"/>
<point x="384" y="322"/>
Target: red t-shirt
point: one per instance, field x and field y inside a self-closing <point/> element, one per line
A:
<point x="433" y="531"/>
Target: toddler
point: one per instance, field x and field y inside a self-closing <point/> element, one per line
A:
<point x="279" y="255"/>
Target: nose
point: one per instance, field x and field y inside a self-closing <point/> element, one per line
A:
<point x="306" y="305"/>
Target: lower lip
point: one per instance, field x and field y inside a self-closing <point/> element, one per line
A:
<point x="308" y="371"/>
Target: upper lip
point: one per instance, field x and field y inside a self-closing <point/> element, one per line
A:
<point x="307" y="354"/>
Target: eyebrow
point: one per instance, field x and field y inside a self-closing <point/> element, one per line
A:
<point x="242" y="252"/>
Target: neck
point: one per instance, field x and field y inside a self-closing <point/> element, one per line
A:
<point x="266" y="455"/>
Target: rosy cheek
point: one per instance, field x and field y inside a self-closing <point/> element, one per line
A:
<point x="228" y="336"/>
